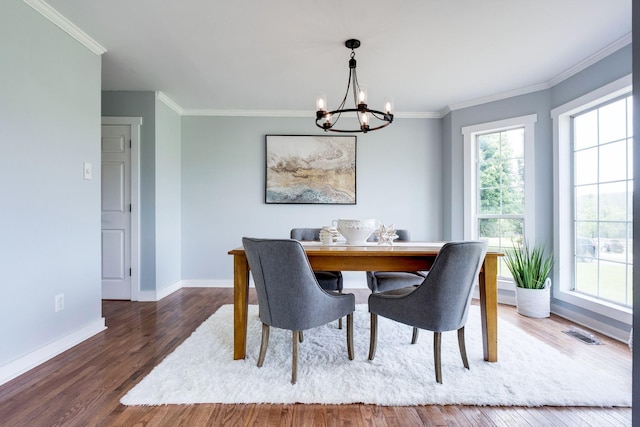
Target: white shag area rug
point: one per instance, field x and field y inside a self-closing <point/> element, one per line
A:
<point x="528" y="372"/>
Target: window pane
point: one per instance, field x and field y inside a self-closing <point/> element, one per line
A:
<point x="585" y="129"/>
<point x="614" y="275"/>
<point x="629" y="116"/>
<point x="603" y="196"/>
<point x="613" y="121"/>
<point x="490" y="202"/>
<point x="586" y="202"/>
<point x="630" y="158"/>
<point x="513" y="143"/>
<point x="501" y="172"/>
<point x="613" y="201"/>
<point x="502" y="234"/>
<point x="586" y="166"/>
<point x="611" y="167"/>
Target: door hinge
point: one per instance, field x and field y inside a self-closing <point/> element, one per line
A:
<point x="129" y="143"/>
<point x="129" y="207"/>
<point x="129" y="272"/>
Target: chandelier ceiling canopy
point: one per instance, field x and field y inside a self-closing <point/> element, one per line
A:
<point x="367" y="119"/>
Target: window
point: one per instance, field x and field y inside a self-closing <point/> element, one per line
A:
<point x="602" y="189"/>
<point x="592" y="204"/>
<point x="499" y="183"/>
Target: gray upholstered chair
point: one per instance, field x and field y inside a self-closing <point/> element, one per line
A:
<point x="380" y="281"/>
<point x="289" y="296"/>
<point x="439" y="304"/>
<point x="328" y="280"/>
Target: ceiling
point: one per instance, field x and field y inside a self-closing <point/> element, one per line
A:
<point x="275" y="57"/>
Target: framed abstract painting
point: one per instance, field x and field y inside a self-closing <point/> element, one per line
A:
<point x="306" y="169"/>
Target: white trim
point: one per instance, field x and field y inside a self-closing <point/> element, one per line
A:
<point x="563" y="207"/>
<point x="155" y="296"/>
<point x="19" y="366"/>
<point x="291" y="113"/>
<point x="469" y="159"/>
<point x="134" y="123"/>
<point x="162" y="97"/>
<point x="226" y="283"/>
<point x="67" y="26"/>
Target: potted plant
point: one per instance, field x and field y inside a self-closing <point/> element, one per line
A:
<point x="530" y="267"/>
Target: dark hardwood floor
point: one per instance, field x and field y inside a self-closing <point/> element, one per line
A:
<point x="83" y="386"/>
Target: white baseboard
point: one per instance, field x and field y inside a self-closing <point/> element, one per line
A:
<point x="151" y="296"/>
<point x="19" y="366"/>
<point x="224" y="283"/>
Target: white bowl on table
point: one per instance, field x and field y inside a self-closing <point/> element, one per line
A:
<point x="356" y="231"/>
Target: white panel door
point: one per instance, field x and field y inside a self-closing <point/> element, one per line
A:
<point x="116" y="212"/>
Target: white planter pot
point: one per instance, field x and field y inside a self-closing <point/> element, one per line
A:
<point x="534" y="302"/>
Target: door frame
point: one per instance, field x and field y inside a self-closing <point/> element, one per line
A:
<point x="134" y="123"/>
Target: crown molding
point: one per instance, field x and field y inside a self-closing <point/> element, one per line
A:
<point x="249" y="113"/>
<point x="67" y="26"/>
<point x="601" y="54"/>
<point x="494" y="97"/>
<point x="292" y="113"/>
<point x="160" y="96"/>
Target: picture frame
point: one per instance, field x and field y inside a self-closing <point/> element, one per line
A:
<point x="310" y="169"/>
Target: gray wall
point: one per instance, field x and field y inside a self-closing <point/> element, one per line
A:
<point x="168" y="196"/>
<point x="50" y="215"/>
<point x="605" y="71"/>
<point x="141" y="104"/>
<point x="160" y="199"/>
<point x="532" y="103"/>
<point x="223" y="178"/>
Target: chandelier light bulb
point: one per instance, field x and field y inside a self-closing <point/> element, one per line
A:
<point x="388" y="106"/>
<point x="362" y="96"/>
<point x="321" y="102"/>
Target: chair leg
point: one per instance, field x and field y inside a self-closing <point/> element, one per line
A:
<point x="414" y="337"/>
<point x="437" y="340"/>
<point x="294" y="358"/>
<point x="300" y="336"/>
<point x="340" y="319"/>
<point x="463" y="348"/>
<point x="350" y="335"/>
<point x="263" y="344"/>
<point x="374" y="336"/>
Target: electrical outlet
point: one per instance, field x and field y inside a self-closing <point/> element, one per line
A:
<point x="59" y="302"/>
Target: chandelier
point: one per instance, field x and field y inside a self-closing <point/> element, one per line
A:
<point x="368" y="119"/>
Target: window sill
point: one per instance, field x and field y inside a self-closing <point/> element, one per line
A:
<point x="612" y="311"/>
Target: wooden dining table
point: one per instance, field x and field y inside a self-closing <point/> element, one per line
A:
<point x="401" y="256"/>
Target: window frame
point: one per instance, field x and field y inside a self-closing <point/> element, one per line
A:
<point x="470" y="153"/>
<point x="563" y="206"/>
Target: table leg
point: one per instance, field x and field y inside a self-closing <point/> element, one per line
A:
<point x="240" y="305"/>
<point x="489" y="307"/>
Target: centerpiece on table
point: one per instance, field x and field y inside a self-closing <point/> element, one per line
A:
<point x="386" y="234"/>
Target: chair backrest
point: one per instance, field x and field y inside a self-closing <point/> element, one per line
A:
<point x="445" y="294"/>
<point x="306" y="234"/>
<point x="285" y="283"/>
<point x="403" y="236"/>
